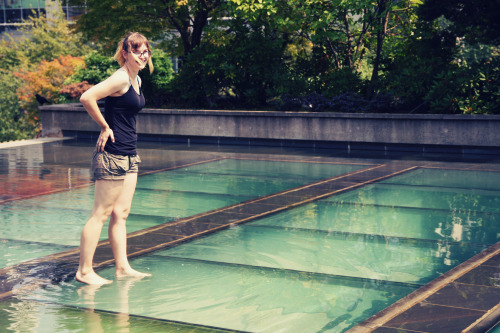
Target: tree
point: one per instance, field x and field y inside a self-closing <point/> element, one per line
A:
<point x="156" y="85"/>
<point x="43" y="38"/>
<point x="448" y="65"/>
<point x="344" y="32"/>
<point x="469" y="32"/>
<point x="475" y="20"/>
<point x="109" y="20"/>
<point x="389" y="16"/>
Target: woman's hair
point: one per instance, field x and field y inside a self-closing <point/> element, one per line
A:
<point x="132" y="42"/>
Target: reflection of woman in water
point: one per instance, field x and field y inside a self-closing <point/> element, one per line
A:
<point x="115" y="161"/>
<point x="96" y="320"/>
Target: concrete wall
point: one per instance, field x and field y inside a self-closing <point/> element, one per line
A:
<point x="380" y="129"/>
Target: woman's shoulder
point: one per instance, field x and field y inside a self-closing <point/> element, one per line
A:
<point x="120" y="75"/>
<point x="119" y="79"/>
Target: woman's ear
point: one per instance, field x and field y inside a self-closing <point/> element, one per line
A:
<point x="125" y="55"/>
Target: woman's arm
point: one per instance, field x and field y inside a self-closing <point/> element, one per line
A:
<point x="115" y="85"/>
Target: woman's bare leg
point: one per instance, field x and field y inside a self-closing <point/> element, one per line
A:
<point x="106" y="194"/>
<point x="118" y="230"/>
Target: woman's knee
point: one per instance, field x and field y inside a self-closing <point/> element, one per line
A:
<point x="101" y="213"/>
<point x="120" y="213"/>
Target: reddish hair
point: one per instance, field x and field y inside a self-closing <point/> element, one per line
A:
<point x="132" y="42"/>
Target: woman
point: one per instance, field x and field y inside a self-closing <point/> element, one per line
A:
<point x="115" y="161"/>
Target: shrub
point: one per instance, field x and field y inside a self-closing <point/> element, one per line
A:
<point x="337" y="82"/>
<point x="73" y="91"/>
<point x="472" y="89"/>
<point x="347" y="102"/>
<point x="41" y="38"/>
<point x="156" y="86"/>
<point x="244" y="69"/>
<point x="46" y="81"/>
<point x="97" y="68"/>
<point x="14" y="124"/>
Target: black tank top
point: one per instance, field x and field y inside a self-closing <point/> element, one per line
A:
<point x="120" y="114"/>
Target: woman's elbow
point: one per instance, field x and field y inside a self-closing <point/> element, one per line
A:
<point x="85" y="98"/>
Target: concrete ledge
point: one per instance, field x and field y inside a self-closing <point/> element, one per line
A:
<point x="478" y="131"/>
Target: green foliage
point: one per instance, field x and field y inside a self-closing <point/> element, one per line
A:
<point x="411" y="74"/>
<point x="252" y="63"/>
<point x="108" y="20"/>
<point x="338" y="82"/>
<point x="44" y="38"/>
<point x="156" y="86"/>
<point x="46" y="80"/>
<point x="270" y="51"/>
<point x="439" y="85"/>
<point x="432" y="73"/>
<point x="14" y="123"/>
<point x="199" y="78"/>
<point x="467" y="89"/>
<point x="271" y="48"/>
<point x="97" y="68"/>
<point x="245" y="68"/>
<point x="476" y="21"/>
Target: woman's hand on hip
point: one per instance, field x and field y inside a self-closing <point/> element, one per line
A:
<point x="105" y="135"/>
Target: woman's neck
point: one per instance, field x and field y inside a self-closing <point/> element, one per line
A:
<point x="131" y="73"/>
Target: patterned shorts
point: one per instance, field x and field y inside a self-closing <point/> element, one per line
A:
<point x="109" y="166"/>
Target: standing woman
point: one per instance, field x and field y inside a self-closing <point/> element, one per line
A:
<point x="115" y="160"/>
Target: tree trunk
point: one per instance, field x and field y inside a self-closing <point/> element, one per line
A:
<point x="190" y="25"/>
<point x="382" y="20"/>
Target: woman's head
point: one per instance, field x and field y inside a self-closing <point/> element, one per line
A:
<point x="130" y="46"/>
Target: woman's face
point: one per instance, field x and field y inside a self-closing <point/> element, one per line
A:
<point x="138" y="58"/>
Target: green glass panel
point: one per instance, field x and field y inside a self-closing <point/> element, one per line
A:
<point x="29" y="3"/>
<point x="281" y="169"/>
<point x="159" y="198"/>
<point x="18" y="316"/>
<point x="58" y="225"/>
<point x="179" y="204"/>
<point x="14" y="252"/>
<point x="424" y="197"/>
<point x="362" y="256"/>
<point x="466" y="179"/>
<point x="216" y="184"/>
<point x="81" y="198"/>
<point x="495" y="329"/>
<point x="233" y="297"/>
<point x="458" y="226"/>
<point x="324" y="266"/>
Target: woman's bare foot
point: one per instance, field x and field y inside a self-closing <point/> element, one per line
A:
<point x="91" y="278"/>
<point x="130" y="272"/>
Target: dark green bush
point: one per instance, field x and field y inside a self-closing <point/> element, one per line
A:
<point x="242" y="71"/>
<point x="14" y="123"/>
<point x="156" y="86"/>
<point x="97" y="68"/>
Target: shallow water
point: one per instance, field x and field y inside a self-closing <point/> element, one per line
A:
<point x="320" y="267"/>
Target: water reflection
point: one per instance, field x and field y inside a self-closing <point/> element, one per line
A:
<point x="19" y="317"/>
<point x="88" y="295"/>
<point x="456" y="232"/>
<point x="92" y="319"/>
<point x="50" y="313"/>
